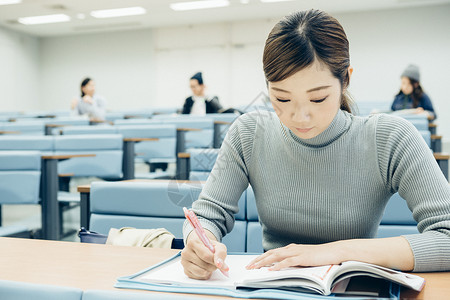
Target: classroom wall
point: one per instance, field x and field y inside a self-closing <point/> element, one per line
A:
<point x="19" y="71"/>
<point x="121" y="64"/>
<point x="146" y="68"/>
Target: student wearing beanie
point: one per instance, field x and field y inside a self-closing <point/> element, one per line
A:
<point x="199" y="103"/>
<point x="411" y="95"/>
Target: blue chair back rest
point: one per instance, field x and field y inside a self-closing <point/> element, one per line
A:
<point x="153" y="204"/>
<point x="254" y="229"/>
<point x="27" y="142"/>
<point x="136" y="121"/>
<point x="426" y="134"/>
<point x="162" y="149"/>
<point x="107" y="162"/>
<point x="365" y="108"/>
<point x="25" y="291"/>
<point x="420" y="124"/>
<point x="397" y="212"/>
<point x="202" y="159"/>
<point x="27" y="127"/>
<point x="98" y="129"/>
<point x="195" y="139"/>
<point x="20" y="177"/>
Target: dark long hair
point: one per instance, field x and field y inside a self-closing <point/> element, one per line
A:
<point x="303" y="37"/>
<point x="417" y="92"/>
<point x="83" y="84"/>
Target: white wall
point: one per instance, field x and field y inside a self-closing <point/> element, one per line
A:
<point x="154" y="65"/>
<point x="19" y="71"/>
<point x="120" y="63"/>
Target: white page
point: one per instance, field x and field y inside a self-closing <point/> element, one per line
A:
<point x="173" y="273"/>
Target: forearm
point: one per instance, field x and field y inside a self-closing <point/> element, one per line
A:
<point x="392" y="252"/>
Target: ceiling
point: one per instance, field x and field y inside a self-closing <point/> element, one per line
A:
<point x="159" y="13"/>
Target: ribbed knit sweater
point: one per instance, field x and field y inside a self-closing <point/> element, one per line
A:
<point x="332" y="187"/>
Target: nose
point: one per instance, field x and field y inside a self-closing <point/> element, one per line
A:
<point x="301" y="115"/>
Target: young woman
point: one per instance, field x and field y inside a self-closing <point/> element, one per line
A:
<point x="321" y="176"/>
<point x="411" y="96"/>
<point x="89" y="103"/>
<point x="199" y="103"/>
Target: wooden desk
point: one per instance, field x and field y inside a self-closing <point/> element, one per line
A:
<point x="92" y="266"/>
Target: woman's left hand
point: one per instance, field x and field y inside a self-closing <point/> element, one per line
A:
<point x="298" y="255"/>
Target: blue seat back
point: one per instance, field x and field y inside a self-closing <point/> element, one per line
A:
<point x="153" y="151"/>
<point x="25" y="291"/>
<point x="20" y="177"/>
<point x="98" y="129"/>
<point x="426" y="134"/>
<point x="195" y="139"/>
<point x="201" y="162"/>
<point x="108" y="150"/>
<point x="27" y="142"/>
<point x="126" y="295"/>
<point x="26" y="127"/>
<point x="420" y="124"/>
<point x="397" y="219"/>
<point x="153" y="204"/>
<point x="254" y="229"/>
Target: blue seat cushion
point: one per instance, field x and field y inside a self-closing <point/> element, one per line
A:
<point x="164" y="148"/>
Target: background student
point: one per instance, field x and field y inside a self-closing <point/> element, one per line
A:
<point x="200" y="103"/>
<point x="411" y="97"/>
<point x="321" y="176"/>
<point x="89" y="103"/>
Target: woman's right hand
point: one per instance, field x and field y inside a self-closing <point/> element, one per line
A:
<point x="198" y="261"/>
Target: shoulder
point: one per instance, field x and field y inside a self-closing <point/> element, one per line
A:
<point x="395" y="132"/>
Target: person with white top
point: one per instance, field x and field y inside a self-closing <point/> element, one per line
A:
<point x="199" y="103"/>
<point x="89" y="103"/>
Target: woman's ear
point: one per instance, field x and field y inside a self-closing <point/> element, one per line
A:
<point x="350" y="72"/>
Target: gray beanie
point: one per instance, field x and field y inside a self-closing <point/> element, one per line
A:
<point x="412" y="71"/>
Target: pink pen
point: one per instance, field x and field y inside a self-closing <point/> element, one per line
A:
<point x="192" y="218"/>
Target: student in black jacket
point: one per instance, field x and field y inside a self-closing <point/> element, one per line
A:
<point x="199" y="103"/>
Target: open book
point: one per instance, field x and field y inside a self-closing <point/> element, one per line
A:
<point x="323" y="280"/>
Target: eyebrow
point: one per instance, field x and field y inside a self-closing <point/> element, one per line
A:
<point x="308" y="91"/>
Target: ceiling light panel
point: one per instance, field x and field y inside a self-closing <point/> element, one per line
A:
<point x="180" y="6"/>
<point x="57" y="18"/>
<point x="118" y="12"/>
<point x="7" y="2"/>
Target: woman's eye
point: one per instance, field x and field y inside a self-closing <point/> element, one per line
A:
<point x="319" y="100"/>
<point x="282" y="100"/>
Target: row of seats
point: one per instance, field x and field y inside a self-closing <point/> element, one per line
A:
<point x="156" y="204"/>
<point x="25" y="291"/>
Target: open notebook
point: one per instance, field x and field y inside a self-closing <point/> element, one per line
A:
<point x="349" y="278"/>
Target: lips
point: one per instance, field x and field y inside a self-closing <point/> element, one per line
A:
<point x="303" y="130"/>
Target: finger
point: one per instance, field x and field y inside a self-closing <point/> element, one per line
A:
<point x="190" y="257"/>
<point x="285" y="263"/>
<point x="257" y="259"/>
<point x="220" y="255"/>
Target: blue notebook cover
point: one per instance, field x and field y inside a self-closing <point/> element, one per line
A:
<point x="131" y="282"/>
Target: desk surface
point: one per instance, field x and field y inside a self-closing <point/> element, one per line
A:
<point x="91" y="266"/>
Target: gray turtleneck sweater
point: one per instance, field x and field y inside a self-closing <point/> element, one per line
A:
<point x="332" y="187"/>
